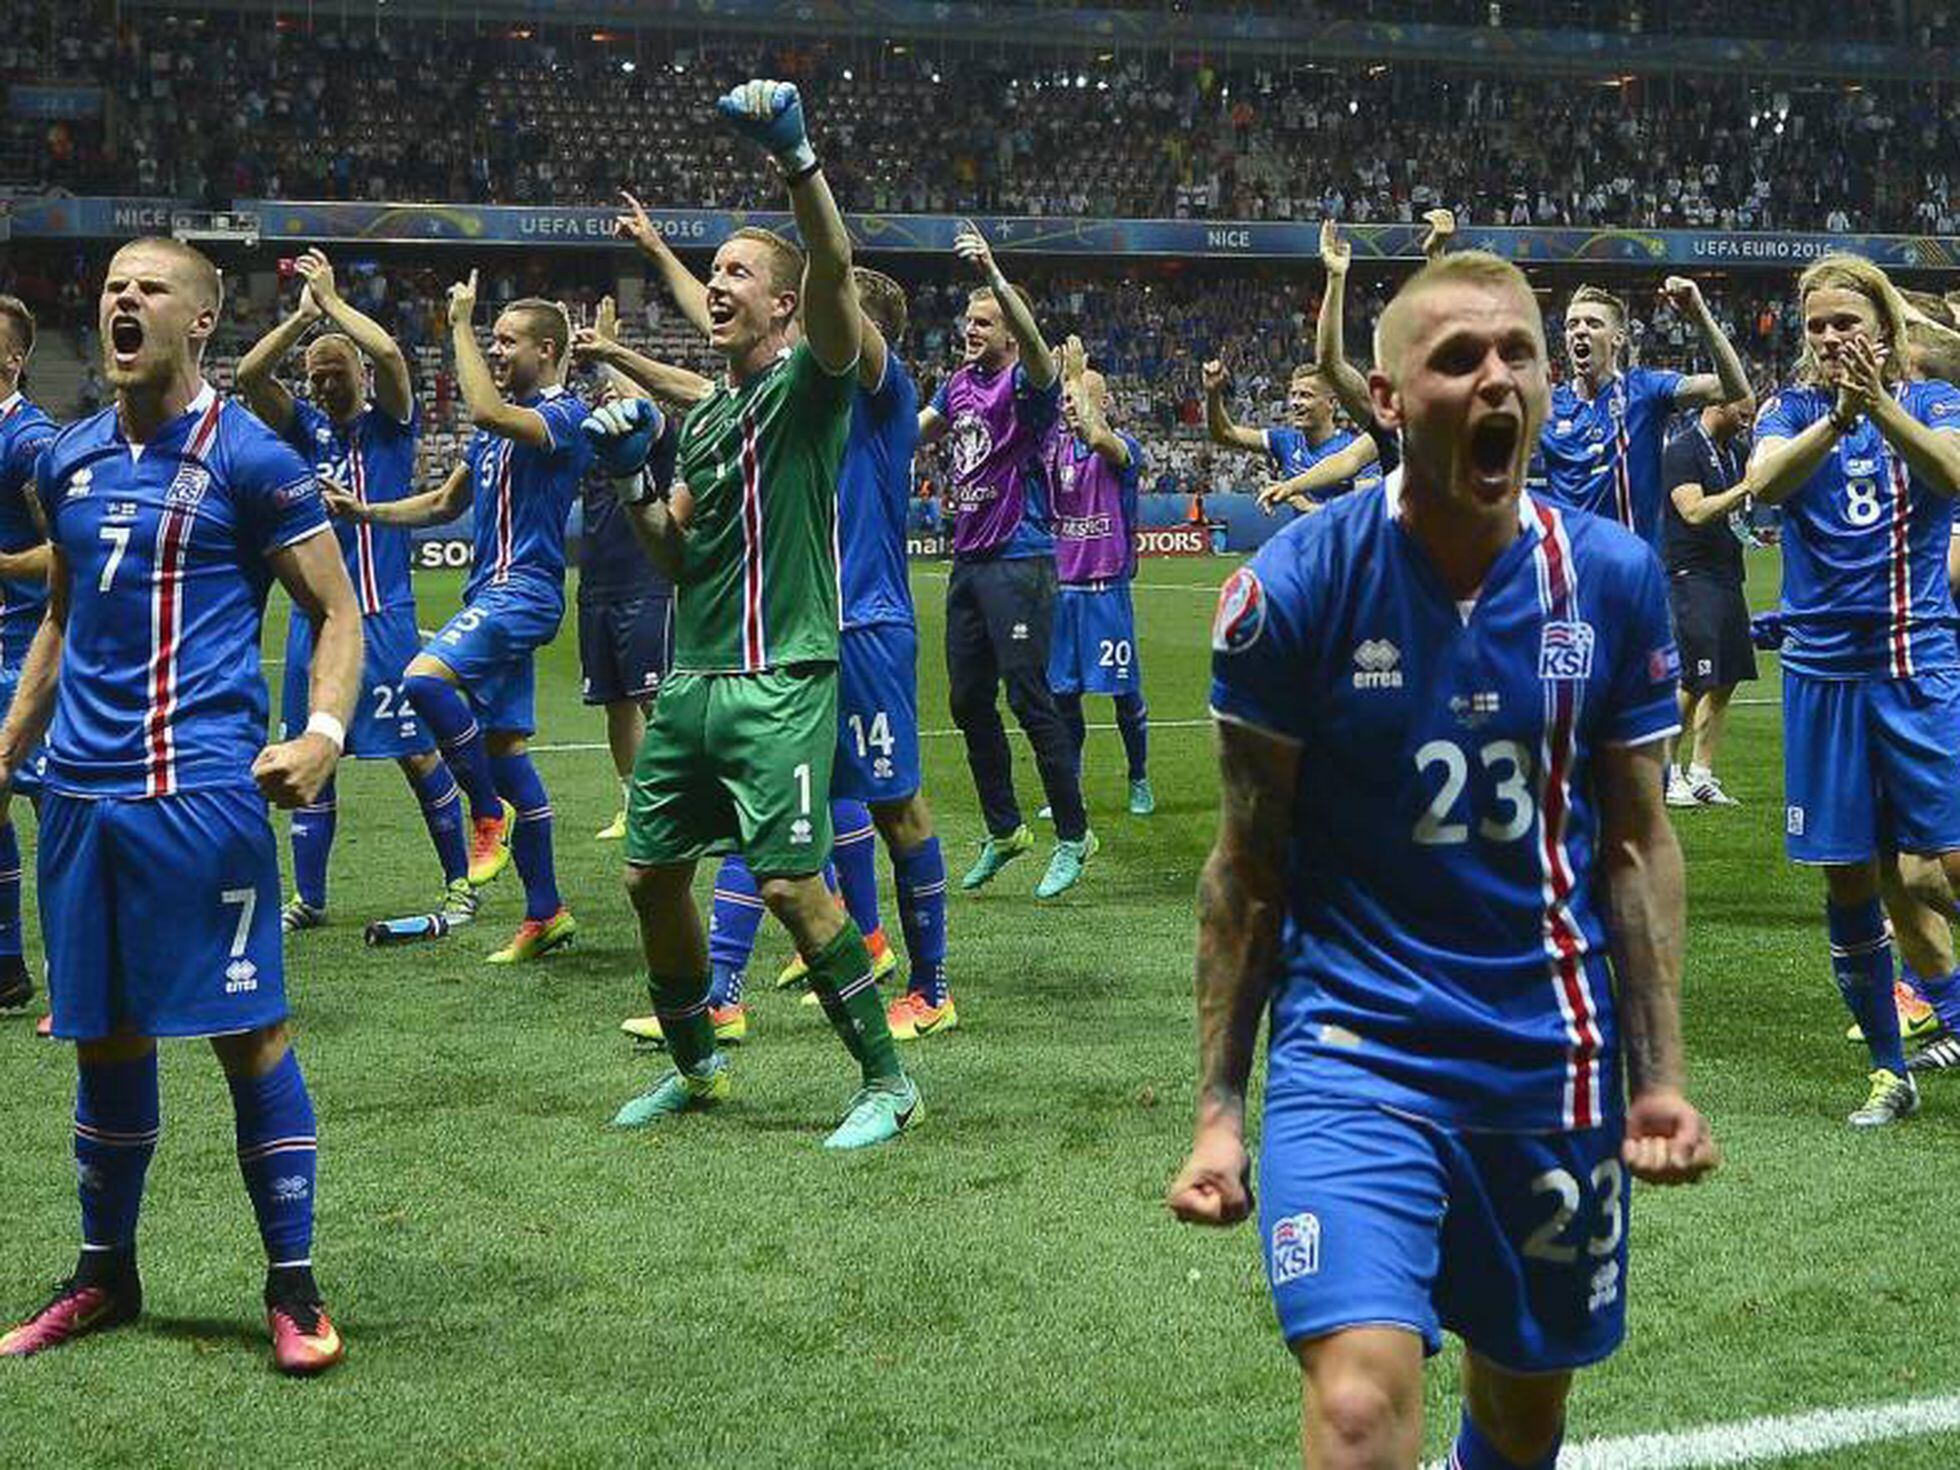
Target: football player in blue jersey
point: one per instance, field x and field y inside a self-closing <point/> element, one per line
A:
<point x="363" y="439"/>
<point x="625" y="606"/>
<point x="1603" y="437"/>
<point x="475" y="684"/>
<point x="1445" y="868"/>
<point x="1293" y="449"/>
<point x="1864" y="465"/>
<point x="170" y="515"/>
<point x="24" y="432"/>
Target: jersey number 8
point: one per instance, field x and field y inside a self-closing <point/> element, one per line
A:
<point x="1862" y="506"/>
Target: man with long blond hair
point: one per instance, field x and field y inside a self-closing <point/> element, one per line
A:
<point x="1865" y="464"/>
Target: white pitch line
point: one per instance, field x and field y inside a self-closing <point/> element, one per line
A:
<point x="1141" y="586"/>
<point x="578" y="745"/>
<point x="1753" y="1441"/>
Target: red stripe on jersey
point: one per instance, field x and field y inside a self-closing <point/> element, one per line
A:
<point x="364" y="578"/>
<point x="1564" y="945"/>
<point x="505" y="536"/>
<point x="167" y="620"/>
<point x="1623" y="475"/>
<point x="1899" y="570"/>
<point x="752" y="629"/>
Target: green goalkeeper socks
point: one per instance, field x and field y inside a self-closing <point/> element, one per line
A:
<point x="681" y="1004"/>
<point x="841" y="977"/>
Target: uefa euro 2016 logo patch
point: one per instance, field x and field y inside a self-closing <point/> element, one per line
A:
<point x="1296" y="1247"/>
<point x="1565" y="651"/>
<point x="1241" y="615"/>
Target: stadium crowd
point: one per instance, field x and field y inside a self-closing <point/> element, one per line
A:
<point x="555" y="118"/>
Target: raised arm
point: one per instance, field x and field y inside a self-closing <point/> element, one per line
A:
<point x="291" y="772"/>
<point x="1440" y="229"/>
<point x="1241" y="904"/>
<point x="256" y="374"/>
<point x="487" y="408"/>
<point x="1729" y="381"/>
<point x="770" y="113"/>
<point x="394" y="390"/>
<point x="690" y="296"/>
<point x="1218" y="418"/>
<point x="431" y="508"/>
<point x="663" y="381"/>
<point x="1342" y="464"/>
<point x="1349" y="383"/>
<point x="1934" y="454"/>
<point x="1036" y="359"/>
<point x="1090" y="421"/>
<point x="1667" y="1141"/>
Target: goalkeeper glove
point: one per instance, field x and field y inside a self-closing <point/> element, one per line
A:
<point x="622" y="434"/>
<point x="771" y="113"/>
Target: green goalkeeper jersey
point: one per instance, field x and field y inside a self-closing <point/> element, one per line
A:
<point x="758" y="582"/>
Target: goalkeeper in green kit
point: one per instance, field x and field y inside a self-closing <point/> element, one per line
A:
<point x="738" y="750"/>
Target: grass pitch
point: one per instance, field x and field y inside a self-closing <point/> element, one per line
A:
<point x="518" y="1285"/>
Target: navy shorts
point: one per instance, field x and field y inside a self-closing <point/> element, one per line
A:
<point x="1093" y="649"/>
<point x="161" y="915"/>
<point x="625" y="647"/>
<point x="385" y="725"/>
<point x="1516" y="1242"/>
<point x="877" y="714"/>
<point x="27" y="780"/>
<point x="1870" y="765"/>
<point x="489" y="646"/>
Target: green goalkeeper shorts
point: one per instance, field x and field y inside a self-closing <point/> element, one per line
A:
<point x="737" y="763"/>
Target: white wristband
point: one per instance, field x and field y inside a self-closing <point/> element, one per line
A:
<point x="322" y="723"/>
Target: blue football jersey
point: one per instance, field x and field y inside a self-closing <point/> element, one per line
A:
<point x="523" y="494"/>
<point x="1864" y="546"/>
<point x="373" y="455"/>
<point x="612" y="566"/>
<point x="874" y="495"/>
<point x="1444" y="950"/>
<point x="1289" y="453"/>
<point x="169" y="561"/>
<point x="24" y="432"/>
<point x="1603" y="454"/>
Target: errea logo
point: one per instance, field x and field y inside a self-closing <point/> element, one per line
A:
<point x="241" y="977"/>
<point x="78" y="483"/>
<point x="1374" y="664"/>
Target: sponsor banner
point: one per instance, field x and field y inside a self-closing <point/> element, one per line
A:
<point x="54" y="101"/>
<point x="1180" y="540"/>
<point x="483" y="224"/>
<point x="441" y="554"/>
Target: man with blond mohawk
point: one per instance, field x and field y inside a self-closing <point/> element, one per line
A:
<point x="1440" y="713"/>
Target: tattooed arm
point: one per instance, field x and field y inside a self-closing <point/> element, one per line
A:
<point x="1241" y="904"/>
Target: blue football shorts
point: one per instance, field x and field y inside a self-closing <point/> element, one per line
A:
<point x="625" y="647"/>
<point x="1516" y="1242"/>
<point x="1093" y="649"/>
<point x="489" y="646"/>
<point x="1870" y="765"/>
<point x="877" y="714"/>
<point x="385" y="724"/>
<point x="161" y="915"/>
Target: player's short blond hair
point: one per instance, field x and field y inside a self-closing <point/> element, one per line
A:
<point x="883" y="300"/>
<point x="1465" y="268"/>
<point x="205" y="275"/>
<point x="1847" y="272"/>
<point x="1600" y="296"/>
<point x="544" y="321"/>
<point x="338" y="342"/>
<point x="986" y="293"/>
<point x="785" y="260"/>
<point x="19" y="322"/>
<point x="1304" y="370"/>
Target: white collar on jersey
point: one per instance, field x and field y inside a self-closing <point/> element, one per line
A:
<point x="1392" y="499"/>
<point x="9" y="403"/>
<point x="206" y="396"/>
